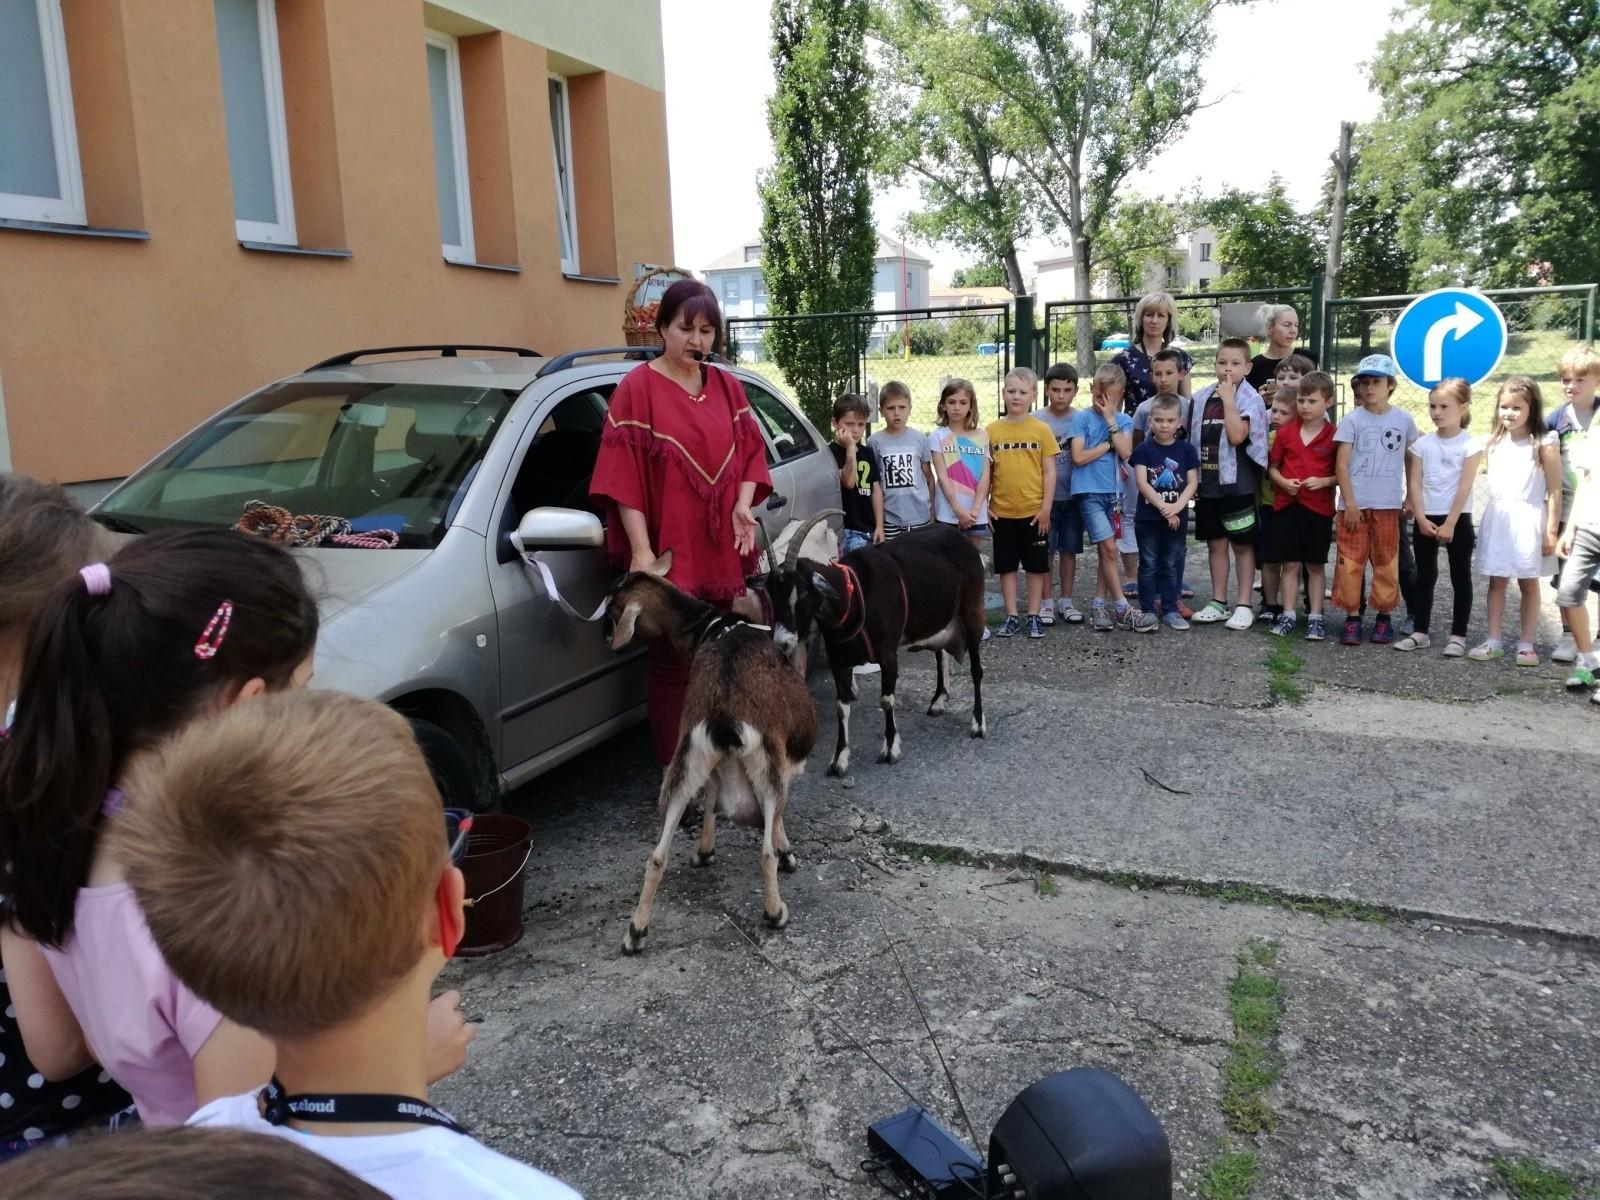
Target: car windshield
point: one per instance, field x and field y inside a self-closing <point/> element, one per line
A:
<point x="381" y="456"/>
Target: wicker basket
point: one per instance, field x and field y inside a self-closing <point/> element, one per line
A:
<point x="639" y="309"/>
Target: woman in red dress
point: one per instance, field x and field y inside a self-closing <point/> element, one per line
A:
<point x="681" y="462"/>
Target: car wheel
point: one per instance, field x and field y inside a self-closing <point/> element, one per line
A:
<point x="452" y="766"/>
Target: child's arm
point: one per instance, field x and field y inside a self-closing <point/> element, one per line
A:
<point x="1414" y="496"/>
<point x="1234" y="423"/>
<point x="1141" y="477"/>
<point x="1551" y="456"/>
<point x="1564" y="546"/>
<point x="1292" y="486"/>
<point x="1047" y="473"/>
<point x="50" y="1033"/>
<point x="1082" y="457"/>
<point x="877" y="510"/>
<point x="1352" y="510"/>
<point x="1189" y="489"/>
<point x="1121" y="439"/>
<point x="929" y="482"/>
<point x="1469" y="472"/>
<point x="942" y="481"/>
<point x="847" y="469"/>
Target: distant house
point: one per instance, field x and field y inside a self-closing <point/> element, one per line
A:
<point x="950" y="296"/>
<point x="899" y="280"/>
<point x="1193" y="270"/>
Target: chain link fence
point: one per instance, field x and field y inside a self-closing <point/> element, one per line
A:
<point x="861" y="351"/>
<point x="1543" y="323"/>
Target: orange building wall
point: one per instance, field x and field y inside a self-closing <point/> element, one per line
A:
<point x="109" y="349"/>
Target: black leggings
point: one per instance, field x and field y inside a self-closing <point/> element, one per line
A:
<point x="1459" y="550"/>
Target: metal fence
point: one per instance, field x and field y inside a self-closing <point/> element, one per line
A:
<point x="1203" y="319"/>
<point x="861" y="351"/>
<point x="1543" y="324"/>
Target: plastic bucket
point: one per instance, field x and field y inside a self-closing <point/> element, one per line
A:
<point x="497" y="856"/>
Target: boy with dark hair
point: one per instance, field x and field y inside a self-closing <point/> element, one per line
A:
<point x="225" y="842"/>
<point x="904" y="463"/>
<point x="1167" y="472"/>
<point x="1066" y="526"/>
<point x="860" y="477"/>
<point x="1301" y="465"/>
<point x="1101" y="437"/>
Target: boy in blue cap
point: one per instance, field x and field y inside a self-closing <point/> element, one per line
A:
<point x="1372" y="441"/>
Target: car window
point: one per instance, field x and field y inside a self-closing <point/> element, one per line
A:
<point x="556" y="467"/>
<point x="381" y="456"/>
<point x="787" y="432"/>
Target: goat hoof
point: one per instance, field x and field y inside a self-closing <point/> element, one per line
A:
<point x="979" y="729"/>
<point x="836" y="769"/>
<point x="891" y="754"/>
<point x="634" y="939"/>
<point x="776" y="921"/>
<point x="789" y="863"/>
<point x="936" y="709"/>
<point x="704" y="860"/>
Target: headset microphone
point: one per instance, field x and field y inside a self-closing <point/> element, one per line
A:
<point x="698" y="356"/>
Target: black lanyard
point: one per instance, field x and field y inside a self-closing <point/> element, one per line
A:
<point x="279" y="1108"/>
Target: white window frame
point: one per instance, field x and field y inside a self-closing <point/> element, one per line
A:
<point x="281" y="232"/>
<point x="68" y="208"/>
<point x="566" y="197"/>
<point x="465" y="251"/>
<point x="1205" y="251"/>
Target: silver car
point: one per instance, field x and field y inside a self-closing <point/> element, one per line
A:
<point x="470" y="460"/>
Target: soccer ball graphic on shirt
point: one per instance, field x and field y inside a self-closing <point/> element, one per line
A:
<point x="1391" y="440"/>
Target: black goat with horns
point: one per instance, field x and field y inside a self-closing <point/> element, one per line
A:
<point x="923" y="591"/>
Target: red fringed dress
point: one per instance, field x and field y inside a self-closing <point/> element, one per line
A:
<point x="679" y="460"/>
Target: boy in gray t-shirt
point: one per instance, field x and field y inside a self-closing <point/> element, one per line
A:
<point x="905" y="463"/>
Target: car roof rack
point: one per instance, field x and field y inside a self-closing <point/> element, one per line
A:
<point x="448" y="350"/>
<point x="642" y="353"/>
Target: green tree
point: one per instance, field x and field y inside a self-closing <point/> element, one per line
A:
<point x="1140" y="236"/>
<point x="940" y="128"/>
<point x="979" y="275"/>
<point x="1488" y="140"/>
<point x="1088" y="95"/>
<point x="817" y="237"/>
<point x="1262" y="240"/>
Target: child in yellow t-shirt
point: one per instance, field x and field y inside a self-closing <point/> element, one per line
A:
<point x="1022" y="483"/>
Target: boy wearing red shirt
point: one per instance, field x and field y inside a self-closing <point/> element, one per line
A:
<point x="1301" y="465"/>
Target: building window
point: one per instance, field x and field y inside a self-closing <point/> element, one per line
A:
<point x="752" y="252"/>
<point x="761" y="290"/>
<point x="1205" y="251"/>
<point x="1172" y="276"/>
<point x="450" y="147"/>
<point x="730" y="290"/>
<point x="39" y="175"/>
<point x="1205" y="283"/>
<point x="566" y="205"/>
<point x="252" y="103"/>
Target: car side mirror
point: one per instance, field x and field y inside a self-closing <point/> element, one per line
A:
<point x="558" y="529"/>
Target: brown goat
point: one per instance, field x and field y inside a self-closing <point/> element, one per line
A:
<point x="748" y="724"/>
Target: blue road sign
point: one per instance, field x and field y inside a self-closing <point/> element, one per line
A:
<point x="1453" y="333"/>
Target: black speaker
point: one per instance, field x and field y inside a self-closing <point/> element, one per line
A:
<point x="1081" y="1134"/>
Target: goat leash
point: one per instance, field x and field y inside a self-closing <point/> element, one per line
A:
<point x="852" y="590"/>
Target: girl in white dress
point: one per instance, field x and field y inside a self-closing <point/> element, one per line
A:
<point x="1517" y="529"/>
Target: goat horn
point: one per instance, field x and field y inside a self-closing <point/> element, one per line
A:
<point x="800" y="535"/>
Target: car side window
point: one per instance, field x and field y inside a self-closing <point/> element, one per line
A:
<point x="556" y="467"/>
<point x="788" y="434"/>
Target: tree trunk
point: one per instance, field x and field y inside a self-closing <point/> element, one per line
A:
<point x="1081" y="286"/>
<point x="1341" y="187"/>
<point x="1015" y="283"/>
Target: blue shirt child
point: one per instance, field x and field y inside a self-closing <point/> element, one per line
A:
<point x="1101" y="476"/>
<point x="1169" y="468"/>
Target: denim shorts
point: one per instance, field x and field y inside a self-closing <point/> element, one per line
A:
<point x="1096" y="510"/>
<point x="853" y="539"/>
<point x="1066" y="528"/>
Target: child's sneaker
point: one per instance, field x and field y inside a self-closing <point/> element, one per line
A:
<point x="1581" y="677"/>
<point x="1047" y="614"/>
<point x="1353" y="634"/>
<point x="1144" y="622"/>
<point x="1456" y="647"/>
<point x="1284" y="625"/>
<point x="1316" y="628"/>
<point x="1566" y="650"/>
<point x="1009" y="627"/>
<point x="987" y="634"/>
<point x="1243" y="617"/>
<point x="1068" y="613"/>
<point x="1413" y="641"/>
<point x="1102" y="622"/>
<point x="1268" y="615"/>
<point x="1486" y="651"/>
<point x="1124" y="616"/>
<point x="1036" y="625"/>
<point x="1214" y="611"/>
<point x="1383" y="629"/>
<point x="1175" y="620"/>
<point x="1527" y="656"/>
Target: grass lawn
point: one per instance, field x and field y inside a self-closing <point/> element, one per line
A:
<point x="1532" y="354"/>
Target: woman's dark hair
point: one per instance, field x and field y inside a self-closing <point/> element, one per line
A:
<point x="108" y="675"/>
<point x="694" y="299"/>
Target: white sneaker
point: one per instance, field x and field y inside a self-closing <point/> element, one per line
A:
<point x="1047" y="613"/>
<point x="1214" y="611"/>
<point x="1068" y="613"/>
<point x="1243" y="617"/>
<point x="1566" y="650"/>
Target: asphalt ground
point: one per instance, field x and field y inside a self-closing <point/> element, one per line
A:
<point x="1415" y="840"/>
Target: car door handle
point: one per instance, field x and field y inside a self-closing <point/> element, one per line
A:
<point x="777" y="500"/>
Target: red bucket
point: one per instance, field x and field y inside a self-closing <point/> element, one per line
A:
<point x="497" y="856"/>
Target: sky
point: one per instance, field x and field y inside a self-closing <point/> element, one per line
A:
<point x="1280" y="114"/>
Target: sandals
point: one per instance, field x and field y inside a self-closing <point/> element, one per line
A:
<point x="1414" y="641"/>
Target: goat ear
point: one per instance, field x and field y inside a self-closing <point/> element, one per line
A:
<point x="662" y="564"/>
<point x="825" y="590"/>
<point x="622" y="628"/>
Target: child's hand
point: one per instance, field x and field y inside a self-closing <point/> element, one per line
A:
<point x="877" y="536"/>
<point x="1293" y="486"/>
<point x="1172" y="520"/>
<point x="964" y="519"/>
<point x="1426" y="528"/>
<point x="1445" y="532"/>
<point x="1352" y="518"/>
<point x="1042" y="520"/>
<point x="845" y="438"/>
<point x="1564" y="546"/>
<point x="449" y="1035"/>
<point x="1268" y="389"/>
<point x="1228" y="390"/>
<point x="1549" y="542"/>
<point x="1315" y="484"/>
